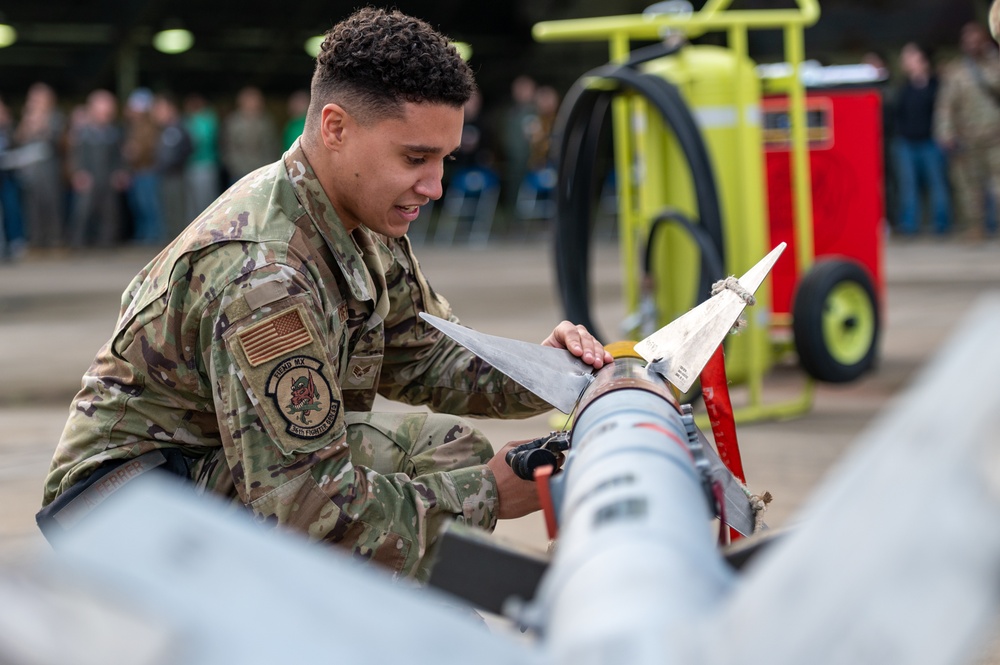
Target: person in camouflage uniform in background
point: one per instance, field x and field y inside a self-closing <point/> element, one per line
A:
<point x="967" y="126"/>
<point x="256" y="342"/>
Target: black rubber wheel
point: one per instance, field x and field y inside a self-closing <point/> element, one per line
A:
<point x="835" y="321"/>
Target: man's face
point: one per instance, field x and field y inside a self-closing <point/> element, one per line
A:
<point x="913" y="61"/>
<point x="391" y="167"/>
<point x="974" y="40"/>
<point x="102" y="109"/>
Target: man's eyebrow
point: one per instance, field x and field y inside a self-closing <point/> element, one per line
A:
<point x="430" y="149"/>
<point x="427" y="149"/>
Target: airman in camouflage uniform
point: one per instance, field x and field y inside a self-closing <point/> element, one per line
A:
<point x="967" y="125"/>
<point x="256" y="342"/>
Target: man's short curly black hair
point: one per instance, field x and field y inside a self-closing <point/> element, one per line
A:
<point x="374" y="61"/>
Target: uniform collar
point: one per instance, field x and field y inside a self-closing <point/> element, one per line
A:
<point x="347" y="250"/>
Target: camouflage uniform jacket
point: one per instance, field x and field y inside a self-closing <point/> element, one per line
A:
<point x="966" y="114"/>
<point x="245" y="341"/>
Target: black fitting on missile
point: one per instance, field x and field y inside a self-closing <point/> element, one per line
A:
<point x="543" y="451"/>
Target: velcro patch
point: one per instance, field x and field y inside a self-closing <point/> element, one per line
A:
<point x="362" y="372"/>
<point x="303" y="397"/>
<point x="265" y="294"/>
<point x="274" y="336"/>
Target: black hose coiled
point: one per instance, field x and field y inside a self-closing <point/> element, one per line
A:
<point x="576" y="141"/>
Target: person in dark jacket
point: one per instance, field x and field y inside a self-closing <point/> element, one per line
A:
<point x="97" y="174"/>
<point x="172" y="152"/>
<point x="39" y="134"/>
<point x="920" y="163"/>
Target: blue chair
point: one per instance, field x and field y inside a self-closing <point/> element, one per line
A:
<point x="536" y="195"/>
<point x="471" y="199"/>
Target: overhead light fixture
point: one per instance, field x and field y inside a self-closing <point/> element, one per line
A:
<point x="8" y="35"/>
<point x="313" y="44"/>
<point x="173" y="40"/>
<point x="464" y="50"/>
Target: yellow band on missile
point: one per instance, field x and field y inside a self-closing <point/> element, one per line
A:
<point x="623" y="349"/>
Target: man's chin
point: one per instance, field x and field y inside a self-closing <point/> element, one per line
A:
<point x="391" y="230"/>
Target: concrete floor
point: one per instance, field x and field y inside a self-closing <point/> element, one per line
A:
<point x="56" y="312"/>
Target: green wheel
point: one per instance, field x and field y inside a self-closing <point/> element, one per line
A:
<point x="835" y="321"/>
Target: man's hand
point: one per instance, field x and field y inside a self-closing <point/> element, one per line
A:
<point x="515" y="497"/>
<point x="580" y="343"/>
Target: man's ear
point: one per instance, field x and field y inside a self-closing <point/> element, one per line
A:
<point x="334" y="121"/>
<point x="995" y="20"/>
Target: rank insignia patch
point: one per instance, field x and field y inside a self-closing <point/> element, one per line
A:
<point x="303" y="397"/>
<point x="274" y="336"/>
<point x="362" y="372"/>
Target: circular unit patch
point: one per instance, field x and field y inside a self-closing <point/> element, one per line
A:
<point x="302" y="395"/>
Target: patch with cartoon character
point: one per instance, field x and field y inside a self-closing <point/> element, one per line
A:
<point x="303" y="397"/>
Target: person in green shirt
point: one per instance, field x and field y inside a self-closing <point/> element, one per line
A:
<point x="201" y="176"/>
<point x="298" y="104"/>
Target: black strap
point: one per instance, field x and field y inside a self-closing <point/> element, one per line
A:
<point x="76" y="503"/>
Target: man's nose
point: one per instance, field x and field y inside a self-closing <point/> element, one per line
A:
<point x="430" y="186"/>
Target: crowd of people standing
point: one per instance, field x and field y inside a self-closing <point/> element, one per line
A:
<point x="111" y="171"/>
<point x="943" y="131"/>
<point x="508" y="144"/>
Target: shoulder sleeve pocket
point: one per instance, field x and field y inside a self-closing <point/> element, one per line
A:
<point x="288" y="374"/>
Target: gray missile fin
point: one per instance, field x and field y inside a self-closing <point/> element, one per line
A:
<point x="554" y="375"/>
<point x="679" y="350"/>
<point x="739" y="511"/>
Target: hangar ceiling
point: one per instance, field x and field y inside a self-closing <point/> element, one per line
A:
<point x="78" y="45"/>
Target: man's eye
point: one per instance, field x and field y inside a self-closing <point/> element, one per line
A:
<point x="416" y="161"/>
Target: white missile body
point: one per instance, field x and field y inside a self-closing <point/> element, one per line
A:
<point x="635" y="524"/>
<point x="634" y="500"/>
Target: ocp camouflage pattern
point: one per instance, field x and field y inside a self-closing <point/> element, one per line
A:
<point x="966" y="113"/>
<point x="967" y="120"/>
<point x="246" y="343"/>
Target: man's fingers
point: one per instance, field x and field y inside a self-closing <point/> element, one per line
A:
<point x="578" y="341"/>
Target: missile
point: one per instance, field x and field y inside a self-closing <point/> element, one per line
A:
<point x="637" y="484"/>
<point x="631" y="394"/>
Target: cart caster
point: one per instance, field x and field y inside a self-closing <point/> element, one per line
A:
<point x="835" y="321"/>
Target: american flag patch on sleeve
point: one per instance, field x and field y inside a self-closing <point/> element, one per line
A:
<point x="275" y="336"/>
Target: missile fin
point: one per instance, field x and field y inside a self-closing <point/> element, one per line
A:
<point x="554" y="375"/>
<point x="739" y="512"/>
<point x="679" y="350"/>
